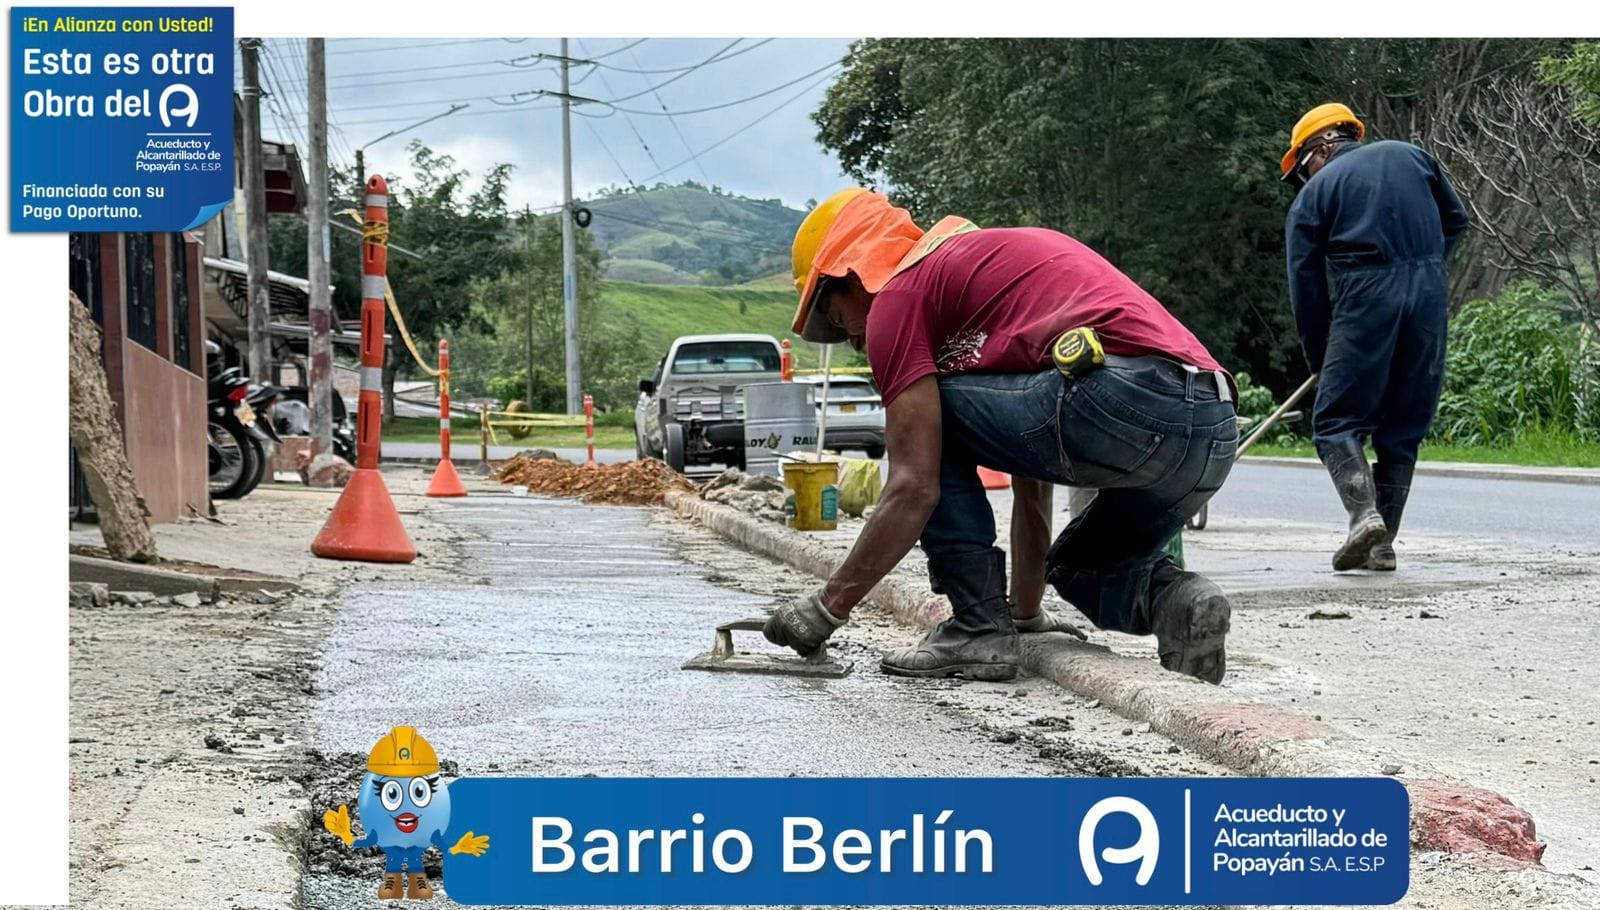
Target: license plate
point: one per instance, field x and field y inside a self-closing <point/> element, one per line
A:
<point x="245" y="413"/>
<point x="847" y="409"/>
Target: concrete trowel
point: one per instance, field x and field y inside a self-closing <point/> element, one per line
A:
<point x="722" y="657"/>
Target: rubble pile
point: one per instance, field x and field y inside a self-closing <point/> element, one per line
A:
<point x="756" y="494"/>
<point x="628" y="483"/>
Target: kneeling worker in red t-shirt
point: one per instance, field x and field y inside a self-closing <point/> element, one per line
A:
<point x="975" y="339"/>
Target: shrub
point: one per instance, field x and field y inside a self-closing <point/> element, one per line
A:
<point x="1509" y="367"/>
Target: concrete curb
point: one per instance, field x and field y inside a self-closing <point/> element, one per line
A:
<point x="127" y="576"/>
<point x="1586" y="476"/>
<point x="1251" y="738"/>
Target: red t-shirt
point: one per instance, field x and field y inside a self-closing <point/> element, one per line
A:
<point x="993" y="301"/>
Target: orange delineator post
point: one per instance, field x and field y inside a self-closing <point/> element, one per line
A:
<point x="364" y="524"/>
<point x="785" y="361"/>
<point x="588" y="427"/>
<point x="446" y="482"/>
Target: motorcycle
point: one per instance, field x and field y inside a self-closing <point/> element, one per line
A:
<point x="292" y="417"/>
<point x="237" y="440"/>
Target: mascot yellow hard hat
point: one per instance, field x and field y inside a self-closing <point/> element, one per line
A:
<point x="1322" y="117"/>
<point x="403" y="753"/>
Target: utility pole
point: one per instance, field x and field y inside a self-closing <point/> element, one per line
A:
<point x="255" y="201"/>
<point x="317" y="242"/>
<point x="527" y="291"/>
<point x="569" y="252"/>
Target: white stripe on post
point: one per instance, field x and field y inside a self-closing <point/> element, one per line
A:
<point x="372" y="287"/>
<point x="379" y="201"/>
<point x="372" y="379"/>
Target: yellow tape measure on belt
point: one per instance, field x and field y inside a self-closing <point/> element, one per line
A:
<point x="1077" y="351"/>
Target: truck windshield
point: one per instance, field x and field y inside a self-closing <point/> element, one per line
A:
<point x="726" y="357"/>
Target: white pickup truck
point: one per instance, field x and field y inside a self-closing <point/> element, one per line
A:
<point x="691" y="412"/>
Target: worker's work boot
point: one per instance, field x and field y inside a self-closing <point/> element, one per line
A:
<point x="1393" y="484"/>
<point x="978" y="641"/>
<point x="1352" y="478"/>
<point x="392" y="888"/>
<point x="1190" y="617"/>
<point x="802" y="625"/>
<point x="417" y="887"/>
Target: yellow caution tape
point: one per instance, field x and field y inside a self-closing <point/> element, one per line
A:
<point x="370" y="231"/>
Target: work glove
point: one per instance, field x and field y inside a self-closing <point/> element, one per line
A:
<point x="338" y="824"/>
<point x="802" y="625"/>
<point x="475" y="845"/>
<point x="1045" y="621"/>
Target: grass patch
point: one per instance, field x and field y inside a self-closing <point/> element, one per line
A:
<point x="1535" y="447"/>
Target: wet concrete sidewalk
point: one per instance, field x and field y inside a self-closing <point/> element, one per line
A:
<point x="559" y="654"/>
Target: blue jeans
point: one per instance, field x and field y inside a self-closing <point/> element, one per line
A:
<point x="1156" y="442"/>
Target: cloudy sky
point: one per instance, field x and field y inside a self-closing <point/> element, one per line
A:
<point x="762" y="91"/>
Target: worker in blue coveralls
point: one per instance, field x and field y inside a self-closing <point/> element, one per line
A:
<point x="1367" y="237"/>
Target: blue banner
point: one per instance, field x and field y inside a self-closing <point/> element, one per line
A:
<point x="930" y="841"/>
<point x="121" y="117"/>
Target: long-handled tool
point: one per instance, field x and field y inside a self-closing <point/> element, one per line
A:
<point x="1198" y="521"/>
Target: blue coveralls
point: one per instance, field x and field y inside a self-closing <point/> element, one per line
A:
<point x="1367" y="239"/>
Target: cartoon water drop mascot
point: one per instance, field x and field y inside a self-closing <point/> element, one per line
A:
<point x="404" y="807"/>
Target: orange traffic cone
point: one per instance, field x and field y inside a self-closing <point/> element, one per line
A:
<point x="994" y="480"/>
<point x="446" y="482"/>
<point x="364" y="524"/>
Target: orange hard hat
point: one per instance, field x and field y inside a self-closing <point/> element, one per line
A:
<point x="854" y="231"/>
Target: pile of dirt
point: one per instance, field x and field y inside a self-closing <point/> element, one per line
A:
<point x="627" y="483"/>
<point x="755" y="494"/>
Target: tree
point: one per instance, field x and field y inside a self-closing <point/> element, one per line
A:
<point x="1579" y="73"/>
<point x="1536" y="170"/>
<point x="459" y="237"/>
<point x="530" y="285"/>
<point x="1157" y="154"/>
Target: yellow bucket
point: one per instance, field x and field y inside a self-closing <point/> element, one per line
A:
<point x="813" y="503"/>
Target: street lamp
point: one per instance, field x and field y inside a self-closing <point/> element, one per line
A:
<point x="361" y="160"/>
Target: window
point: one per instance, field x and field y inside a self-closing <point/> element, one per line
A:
<point x="726" y="357"/>
<point x="139" y="268"/>
<point x="180" y="301"/>
<point x="83" y="268"/>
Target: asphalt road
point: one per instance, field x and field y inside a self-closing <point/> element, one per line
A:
<point x="1560" y="515"/>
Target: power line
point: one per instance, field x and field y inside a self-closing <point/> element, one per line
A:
<point x="679" y="69"/>
<point x="385" y="83"/>
<point x="748" y="126"/>
<point x="706" y="62"/>
<point x="717" y="107"/>
<point x="399" y="47"/>
<point x="435" y="101"/>
<point x="727" y="214"/>
<point x="425" y="69"/>
<point x="620" y="49"/>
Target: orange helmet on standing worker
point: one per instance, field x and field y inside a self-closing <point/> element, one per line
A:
<point x="1317" y="120"/>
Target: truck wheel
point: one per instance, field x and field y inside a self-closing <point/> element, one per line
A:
<point x="875" y="452"/>
<point x="1197" y="521"/>
<point x="674" y="446"/>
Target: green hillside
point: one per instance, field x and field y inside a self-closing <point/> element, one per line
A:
<point x="663" y="313"/>
<point x="700" y="235"/>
